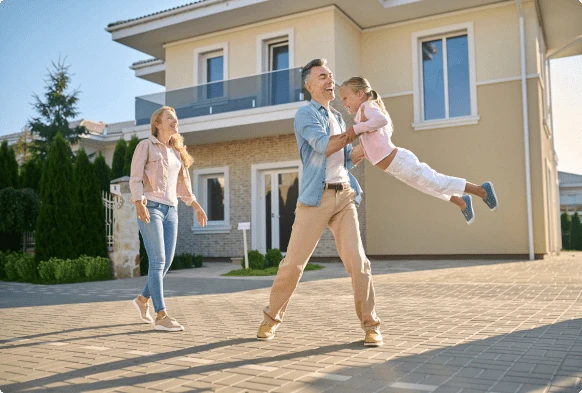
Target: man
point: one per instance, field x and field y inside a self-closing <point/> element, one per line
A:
<point x="328" y="196"/>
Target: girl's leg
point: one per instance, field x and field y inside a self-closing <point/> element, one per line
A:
<point x="407" y="168"/>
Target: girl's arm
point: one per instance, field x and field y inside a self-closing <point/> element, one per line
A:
<point x="371" y="118"/>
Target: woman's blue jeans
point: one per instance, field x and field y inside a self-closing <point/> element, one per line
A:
<point x="159" y="239"/>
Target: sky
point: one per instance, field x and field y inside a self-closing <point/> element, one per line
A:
<point x="34" y="33"/>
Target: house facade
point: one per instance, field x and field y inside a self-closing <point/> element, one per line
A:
<point x="466" y="84"/>
<point x="570" y="192"/>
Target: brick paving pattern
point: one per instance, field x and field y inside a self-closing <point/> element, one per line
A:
<point x="448" y="326"/>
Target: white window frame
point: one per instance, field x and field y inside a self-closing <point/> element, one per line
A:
<point x="263" y="42"/>
<point x="198" y="176"/>
<point x="418" y="95"/>
<point x="202" y="54"/>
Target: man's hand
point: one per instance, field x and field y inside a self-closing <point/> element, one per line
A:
<point x="200" y="214"/>
<point x="351" y="135"/>
<point x="357" y="154"/>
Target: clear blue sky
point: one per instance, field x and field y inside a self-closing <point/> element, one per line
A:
<point x="34" y="32"/>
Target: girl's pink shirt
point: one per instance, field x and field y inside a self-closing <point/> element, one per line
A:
<point x="375" y="133"/>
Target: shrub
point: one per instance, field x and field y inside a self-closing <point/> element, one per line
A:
<point x="576" y="233"/>
<point x="256" y="260"/>
<point x="273" y="258"/>
<point x="182" y="261"/>
<point x="47" y="269"/>
<point x="70" y="270"/>
<point x="96" y="269"/>
<point x="26" y="267"/>
<point x="10" y="269"/>
<point x="2" y="261"/>
<point x="198" y="259"/>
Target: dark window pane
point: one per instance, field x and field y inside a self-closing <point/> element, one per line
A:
<point x="280" y="57"/>
<point x="215" y="195"/>
<point x="433" y="80"/>
<point x="214" y="73"/>
<point x="288" y="193"/>
<point x="458" y="73"/>
<point x="268" y="213"/>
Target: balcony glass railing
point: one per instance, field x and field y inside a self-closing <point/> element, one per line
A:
<point x="271" y="88"/>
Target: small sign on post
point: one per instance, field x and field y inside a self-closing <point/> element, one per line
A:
<point x="244" y="226"/>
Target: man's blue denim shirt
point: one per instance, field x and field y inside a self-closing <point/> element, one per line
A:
<point x="312" y="130"/>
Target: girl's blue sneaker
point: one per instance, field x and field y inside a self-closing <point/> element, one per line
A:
<point x="468" y="212"/>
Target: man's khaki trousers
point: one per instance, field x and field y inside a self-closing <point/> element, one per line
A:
<point x="338" y="211"/>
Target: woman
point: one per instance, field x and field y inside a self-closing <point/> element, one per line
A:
<point x="159" y="175"/>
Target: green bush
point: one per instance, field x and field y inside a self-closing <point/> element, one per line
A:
<point x="96" y="269"/>
<point x="273" y="258"/>
<point x="182" y="261"/>
<point x="70" y="270"/>
<point x="47" y="269"/>
<point x="576" y="233"/>
<point x="26" y="267"/>
<point x="198" y="259"/>
<point x="2" y="261"/>
<point x="10" y="269"/>
<point x="256" y="260"/>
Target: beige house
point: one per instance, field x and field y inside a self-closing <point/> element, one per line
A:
<point x="570" y="192"/>
<point x="466" y="84"/>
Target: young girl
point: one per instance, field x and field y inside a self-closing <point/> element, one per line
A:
<point x="374" y="127"/>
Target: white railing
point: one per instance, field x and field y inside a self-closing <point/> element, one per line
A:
<point x="110" y="202"/>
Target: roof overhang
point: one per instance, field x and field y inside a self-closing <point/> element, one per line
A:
<point x="153" y="71"/>
<point x="562" y="25"/>
<point x="149" y="34"/>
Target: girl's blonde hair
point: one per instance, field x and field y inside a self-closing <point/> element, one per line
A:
<point x="176" y="141"/>
<point x="358" y="83"/>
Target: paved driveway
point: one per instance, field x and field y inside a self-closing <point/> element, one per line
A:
<point x="448" y="326"/>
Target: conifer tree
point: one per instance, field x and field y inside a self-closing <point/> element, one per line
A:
<point x="576" y="233"/>
<point x="54" y="232"/>
<point x="88" y="210"/>
<point x="30" y="174"/>
<point x="118" y="159"/>
<point x="58" y="108"/>
<point x="566" y="224"/>
<point x="8" y="167"/>
<point x="103" y="172"/>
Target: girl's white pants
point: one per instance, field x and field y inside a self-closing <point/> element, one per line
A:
<point x="406" y="168"/>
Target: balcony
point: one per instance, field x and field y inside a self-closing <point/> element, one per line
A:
<point x="262" y="90"/>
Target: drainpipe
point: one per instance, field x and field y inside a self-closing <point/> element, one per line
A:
<point x="530" y="238"/>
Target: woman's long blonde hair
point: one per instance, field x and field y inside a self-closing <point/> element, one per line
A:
<point x="358" y="83"/>
<point x="176" y="141"/>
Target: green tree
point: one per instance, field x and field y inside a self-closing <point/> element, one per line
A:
<point x="18" y="213"/>
<point x="30" y="174"/>
<point x="118" y="159"/>
<point x="576" y="233"/>
<point x="8" y="167"/>
<point x="129" y="155"/>
<point x="566" y="224"/>
<point x="55" y="112"/>
<point x="103" y="172"/>
<point x="88" y="210"/>
<point x="54" y="234"/>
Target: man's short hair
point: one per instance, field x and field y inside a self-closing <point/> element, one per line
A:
<point x="307" y="69"/>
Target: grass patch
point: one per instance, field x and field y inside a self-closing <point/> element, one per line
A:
<point x="271" y="271"/>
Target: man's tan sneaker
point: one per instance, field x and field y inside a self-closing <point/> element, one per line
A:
<point x="167" y="324"/>
<point x="143" y="309"/>
<point x="373" y="338"/>
<point x="266" y="331"/>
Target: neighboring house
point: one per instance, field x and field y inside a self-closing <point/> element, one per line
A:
<point x="100" y="137"/>
<point x="465" y="81"/>
<point x="570" y="192"/>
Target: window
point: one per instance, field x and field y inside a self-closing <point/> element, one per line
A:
<point x="212" y="191"/>
<point x="444" y="77"/>
<point x="211" y="68"/>
<point x="275" y="51"/>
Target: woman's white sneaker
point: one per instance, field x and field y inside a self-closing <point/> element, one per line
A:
<point x="167" y="324"/>
<point x="143" y="310"/>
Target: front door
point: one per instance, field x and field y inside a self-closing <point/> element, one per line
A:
<point x="277" y="199"/>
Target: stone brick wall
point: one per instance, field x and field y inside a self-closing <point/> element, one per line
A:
<point x="238" y="156"/>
